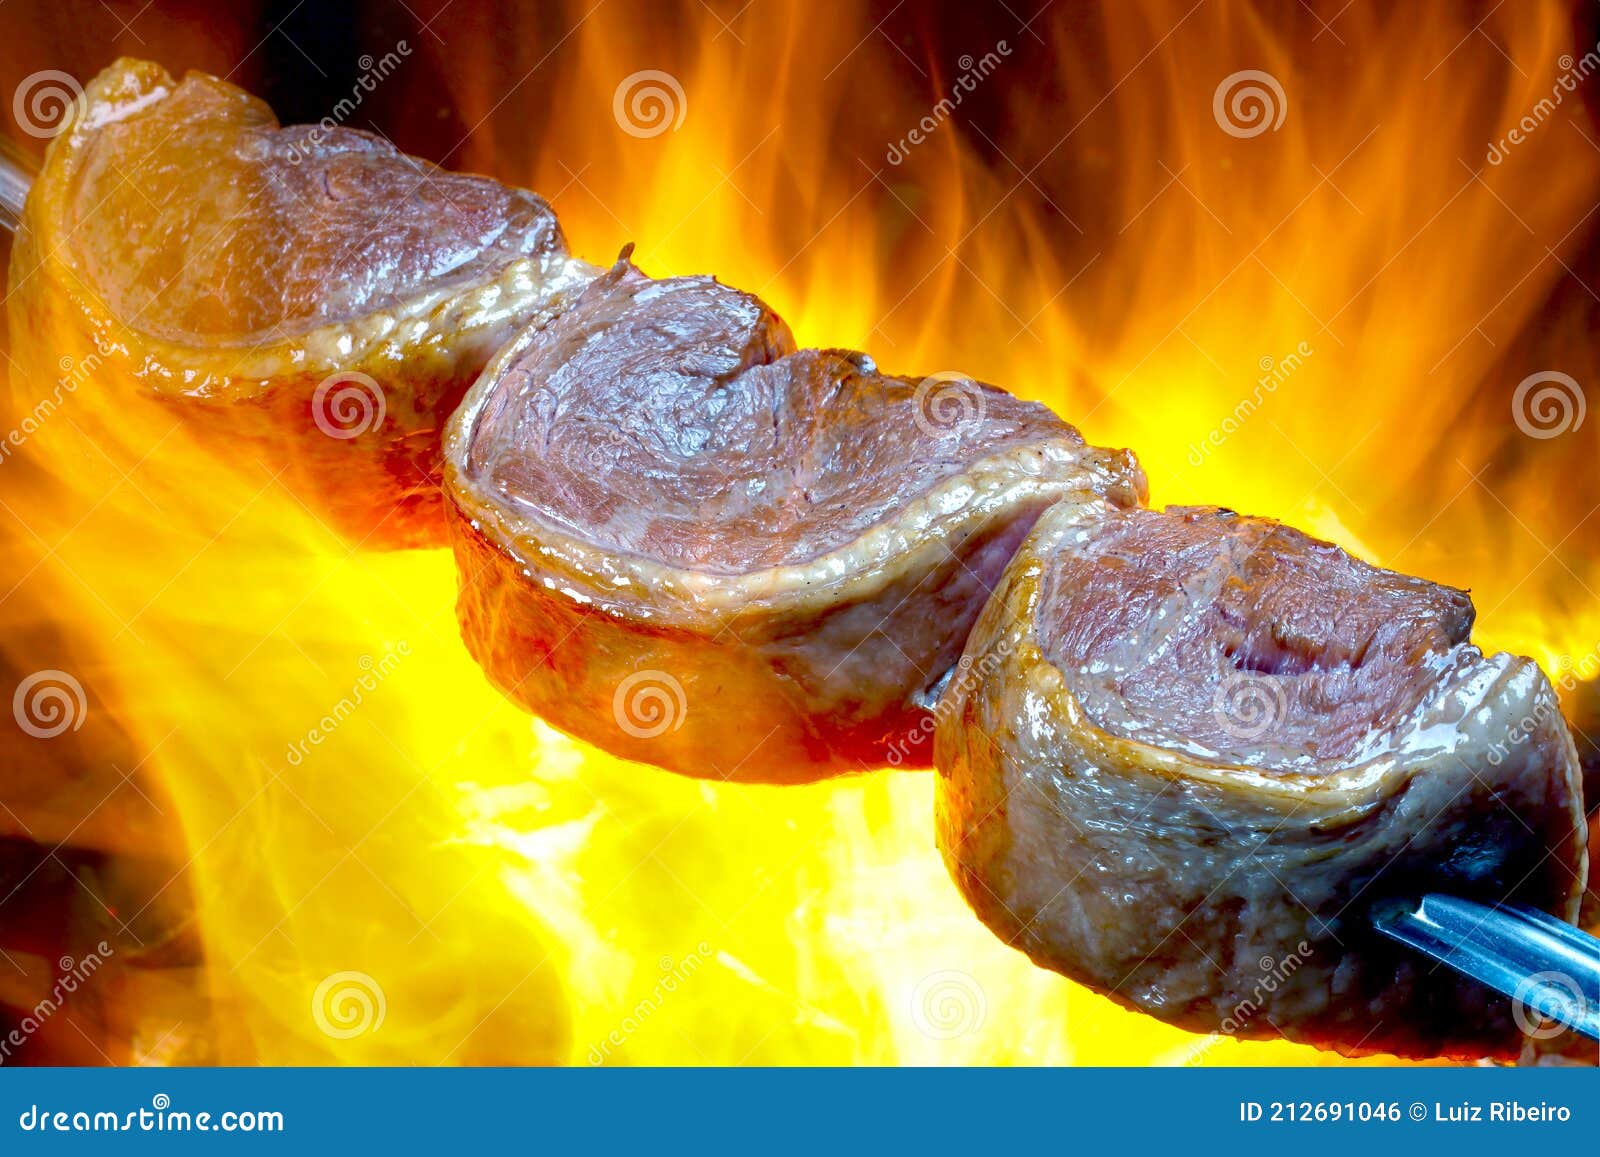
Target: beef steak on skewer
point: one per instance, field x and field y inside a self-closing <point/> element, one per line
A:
<point x="694" y="546"/>
<point x="1195" y="751"/>
<point x="308" y="295"/>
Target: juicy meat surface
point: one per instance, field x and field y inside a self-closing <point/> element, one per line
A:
<point x="1191" y="753"/>
<point x="674" y="420"/>
<point x="235" y="228"/>
<point x="307" y="298"/>
<point x="624" y="420"/>
<point x="656" y="485"/>
<point x="1162" y="618"/>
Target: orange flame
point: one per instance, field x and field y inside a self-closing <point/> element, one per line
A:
<point x="1313" y="298"/>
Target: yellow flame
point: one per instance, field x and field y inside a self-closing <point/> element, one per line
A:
<point x="390" y="864"/>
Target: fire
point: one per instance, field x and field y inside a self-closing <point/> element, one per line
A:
<point x="1313" y="298"/>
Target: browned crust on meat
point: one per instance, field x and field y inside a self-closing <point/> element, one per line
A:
<point x="1166" y="882"/>
<point x="782" y="679"/>
<point x="379" y="488"/>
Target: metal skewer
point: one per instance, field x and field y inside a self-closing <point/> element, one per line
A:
<point x="1547" y="966"/>
<point x="16" y="176"/>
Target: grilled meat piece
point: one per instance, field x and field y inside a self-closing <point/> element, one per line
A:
<point x="1191" y="752"/>
<point x="1581" y="699"/>
<point x="694" y="546"/>
<point x="306" y="295"/>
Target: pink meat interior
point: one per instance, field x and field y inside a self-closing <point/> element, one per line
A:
<point x="1242" y="639"/>
<point x="200" y="220"/>
<point x="672" y="419"/>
